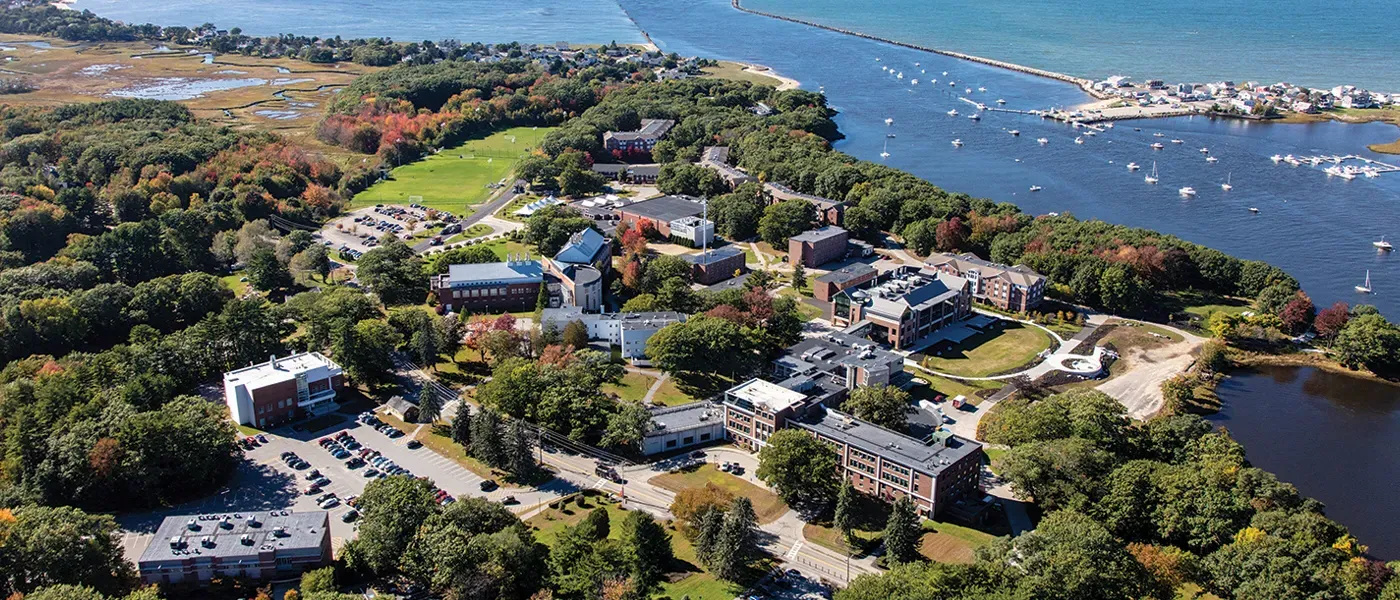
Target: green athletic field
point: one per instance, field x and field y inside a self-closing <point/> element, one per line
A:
<point x="455" y="178"/>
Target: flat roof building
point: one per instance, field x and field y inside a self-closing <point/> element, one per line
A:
<point x="817" y="247"/>
<point x="904" y="305"/>
<point x="628" y="331"/>
<point x="283" y="389"/>
<point x="717" y="264"/>
<point x="661" y="211"/>
<point x="851" y="361"/>
<point x="677" y="427"/>
<point x="510" y="285"/>
<point x="693" y="231"/>
<point x="852" y="275"/>
<point x="257" y="545"/>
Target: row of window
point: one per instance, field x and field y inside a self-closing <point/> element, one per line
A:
<point x="488" y="292"/>
<point x="274" y="407"/>
<point x="688" y="440"/>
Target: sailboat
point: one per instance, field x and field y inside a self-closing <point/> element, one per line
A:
<point x="1079" y="140"/>
<point x="1383" y="245"/>
<point x="958" y="142"/>
<point x="1226" y="186"/>
<point x="1153" y="177"/>
<point x="1365" y="288"/>
<point x="886" y="152"/>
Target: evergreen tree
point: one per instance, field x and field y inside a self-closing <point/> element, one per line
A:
<point x="486" y="438"/>
<point x="520" y="449"/>
<point x="738" y="544"/>
<point x="902" y="532"/>
<point x="596" y="526"/>
<point x="462" y="424"/>
<point x="429" y="405"/>
<point x="647" y="547"/>
<point x="707" y="533"/>
<point x="799" y="276"/>
<point x="424" y="344"/>
<point x="844" y="519"/>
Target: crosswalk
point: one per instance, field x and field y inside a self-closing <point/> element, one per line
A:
<point x="792" y="552"/>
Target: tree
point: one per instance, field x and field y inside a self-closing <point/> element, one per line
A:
<point x="576" y="335"/>
<point x="44" y="546"/>
<point x="691" y="504"/>
<point x="800" y="467"/>
<point x="520" y="449"/>
<point x="1178" y="393"/>
<point x="313" y="260"/>
<point x="1369" y="341"/>
<point x="902" y="532"/>
<point x="1060" y="473"/>
<point x="393" y="272"/>
<point x="367" y="350"/>
<point x="648" y="549"/>
<point x="709" y="526"/>
<point x="1070" y="557"/>
<point x="886" y="406"/>
<point x="318" y="580"/>
<point x="265" y="273"/>
<point x="429" y="405"/>
<point x="737" y="544"/>
<point x="844" y="519"/>
<point x="799" y="276"/>
<point x="785" y="219"/>
<point x="462" y="424"/>
<point x="703" y="345"/>
<point x="627" y="426"/>
<point x="475" y="548"/>
<point x="1274" y="297"/>
<point x="1332" y="320"/>
<point x="550" y="227"/>
<point x="1298" y="314"/>
<point x="391" y="509"/>
<point x="486" y="438"/>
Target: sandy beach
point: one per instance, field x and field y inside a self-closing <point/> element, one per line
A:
<point x="64" y="4"/>
<point x="788" y="83"/>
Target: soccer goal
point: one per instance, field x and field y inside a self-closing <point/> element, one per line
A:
<point x="415" y="200"/>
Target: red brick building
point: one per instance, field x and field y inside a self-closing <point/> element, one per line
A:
<point x="849" y="276"/>
<point x="716" y="264"/>
<point x="817" y="247"/>
<point x="829" y="212"/>
<point x="283" y="389"/>
<point x="660" y="211"/>
<point x="489" y="287"/>
<point x="1018" y="288"/>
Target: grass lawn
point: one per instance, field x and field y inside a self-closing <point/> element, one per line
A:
<point x="232" y="281"/>
<point x="991" y="352"/>
<point x="502" y="247"/>
<point x="1202" y="304"/>
<point x="766" y="504"/>
<point x="806" y="311"/>
<point x="632" y="386"/>
<point x="455" y="178"/>
<point x="1129" y="335"/>
<point x="551" y="522"/>
<point x="993" y="454"/>
<point x="507" y="212"/>
<point x="946" y="542"/>
<point x="394" y="422"/>
<point x="248" y="430"/>
<point x="671" y="395"/>
<point x="870" y="514"/>
<point x="736" y="72"/>
<point x="1191" y="591"/>
<point x="952" y="387"/>
<point x="474" y="231"/>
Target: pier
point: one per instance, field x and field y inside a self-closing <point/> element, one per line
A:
<point x="1371" y="169"/>
<point x="1084" y="84"/>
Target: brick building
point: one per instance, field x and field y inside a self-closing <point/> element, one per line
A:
<point x="902" y="306"/>
<point x="641" y="140"/>
<point x="716" y="264"/>
<point x="1018" y="288"/>
<point x="661" y="211"/>
<point x="849" y="276"/>
<point x="503" y="286"/>
<point x="258" y="545"/>
<point x="716" y="158"/>
<point x="829" y="212"/>
<point x="283" y="389"/>
<point x="817" y="247"/>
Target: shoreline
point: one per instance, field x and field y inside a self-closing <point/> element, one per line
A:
<point x="786" y="83"/>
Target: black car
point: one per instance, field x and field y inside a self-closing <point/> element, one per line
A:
<point x="414" y="444"/>
<point x="488" y="486"/>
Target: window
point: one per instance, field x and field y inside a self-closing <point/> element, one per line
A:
<point x="670" y="443"/>
<point x="690" y="439"/>
<point x="704" y="436"/>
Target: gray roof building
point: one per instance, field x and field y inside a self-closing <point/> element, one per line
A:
<point x="931" y="455"/>
<point x="257" y="545"/>
<point x="847" y="273"/>
<point x="665" y="209"/>
<point x="813" y="236"/>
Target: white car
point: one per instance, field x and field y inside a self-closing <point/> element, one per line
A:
<point x="330" y="503"/>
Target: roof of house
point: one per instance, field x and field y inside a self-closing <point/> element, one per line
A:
<point x="517" y="271"/>
<point x="847" y="273"/>
<point x="644" y="171"/>
<point x="715" y="154"/>
<point x="651" y="129"/>
<point x="665" y="208"/>
<point x="400" y="405"/>
<point x="820" y="234"/>
<point x="783" y="192"/>
<point x="772" y="396"/>
<point x="300" y="530"/>
<point x="280" y="369"/>
<point x="685" y="416"/>
<point x="713" y="255"/>
<point x="915" y="292"/>
<point x="610" y="168"/>
<point x="967" y="261"/>
<point x="931" y="455"/>
<point x="836" y="349"/>
<point x="582" y="248"/>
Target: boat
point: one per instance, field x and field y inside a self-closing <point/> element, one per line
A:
<point x="1108" y="125"/>
<point x="1001" y="101"/>
<point x="1035" y="188"/>
<point x="889" y="135"/>
<point x="967" y="90"/>
<point x="1365" y="288"/>
<point x="914" y="82"/>
<point x="1371" y="172"/>
<point x="1316" y="160"/>
<point x="1178" y="141"/>
<point x="917" y="65"/>
<point x="952" y="84"/>
<point x="877" y="59"/>
<point x="889" y="121"/>
<point x="1226" y="186"/>
<point x="1383" y="245"/>
<point x="1153" y="177"/>
<point x="1079" y="140"/>
<point x="958" y="142"/>
<point x="1187" y="191"/>
<point x="975" y="117"/>
<point x="1015" y="132"/>
<point x="953" y="113"/>
<point x="1205" y="150"/>
<point x="1137" y="129"/>
<point x="945" y="73"/>
<point x="1211" y="159"/>
<point x="1042" y="141"/>
<point x="1157" y="146"/>
<point x="1159" y="134"/>
<point x="901" y="75"/>
<point x="1292" y="161"/>
<point x="1132" y="166"/>
<point x="1276" y="158"/>
<point x="1090" y="133"/>
<point x="981" y="89"/>
<point x="1253" y="210"/>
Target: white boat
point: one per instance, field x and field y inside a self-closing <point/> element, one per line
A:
<point x="1042" y="141"/>
<point x="1371" y="172"/>
<point x="1292" y="161"/>
<point x="1276" y="158"/>
<point x="1226" y="186"/>
<point x="1316" y="160"/>
<point x="1132" y="166"/>
<point x="1159" y="135"/>
<point x="953" y="113"/>
<point x="1382" y="244"/>
<point x="1253" y="210"/>
<point x="1205" y="150"/>
<point x="981" y="89"/>
<point x="952" y="84"/>
<point x="914" y="82"/>
<point x="1035" y="188"/>
<point x="1157" y="146"/>
<point x="1090" y="133"/>
<point x="1178" y="141"/>
<point x="1001" y="101"/>
<point x="958" y="142"/>
<point x="884" y="68"/>
<point x="1015" y="132"/>
<point x="945" y="73"/>
<point x="877" y="59"/>
<point x="1108" y="125"/>
<point x="917" y="65"/>
<point x="889" y="121"/>
<point x="1079" y="140"/>
<point x="1365" y="288"/>
<point x="1211" y="159"/>
<point x="886" y="152"/>
<point x="901" y="75"/>
<point x="975" y="117"/>
<point x="967" y="90"/>
<point x="1152" y="178"/>
<point x="1187" y="191"/>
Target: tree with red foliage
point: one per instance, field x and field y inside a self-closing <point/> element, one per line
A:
<point x="634" y="243"/>
<point x="1298" y="314"/>
<point x="759" y="304"/>
<point x="505" y="322"/>
<point x="730" y="313"/>
<point x="632" y="275"/>
<point x="951" y="234"/>
<point x="1332" y="319"/>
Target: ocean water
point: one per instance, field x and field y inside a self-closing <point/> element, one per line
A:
<point x="539" y="21"/>
<point x="1320" y="229"/>
<point x="1306" y="42"/>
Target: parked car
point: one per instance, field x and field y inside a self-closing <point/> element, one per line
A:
<point x="355" y="462"/>
<point x="414" y="444"/>
<point x="487" y="485"/>
<point x="350" y="515"/>
<point x="330" y="503"/>
<point x="313" y="475"/>
<point x="371" y="472"/>
<point x="325" y="497"/>
<point x="261" y="438"/>
<point x="508" y="500"/>
<point x="340" y="454"/>
<point x="311" y="490"/>
<point x="322" y="481"/>
<point x="325" y="441"/>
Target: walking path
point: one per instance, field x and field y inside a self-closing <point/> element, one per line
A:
<point x="1061" y="359"/>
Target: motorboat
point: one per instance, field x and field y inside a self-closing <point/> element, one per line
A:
<point x="953" y="112"/>
<point x="1015" y="132"/>
<point x="889" y="135"/>
<point x="967" y="90"/>
<point x="1211" y="159"/>
<point x="1253" y="210"/>
<point x="1159" y="134"/>
<point x="958" y="142"/>
<point x="975" y="117"/>
<point x="1157" y="146"/>
<point x="1091" y="133"/>
<point x="1152" y="178"/>
<point x="1276" y="158"/>
<point x="1079" y="140"/>
<point x="913" y="82"/>
<point x="945" y="73"/>
<point x="1382" y="245"/>
<point x="1291" y="160"/>
<point x="1187" y="191"/>
<point x="1042" y="141"/>
<point x="1132" y="166"/>
<point x="1205" y="150"/>
<point x="1108" y="125"/>
<point x="1001" y="101"/>
<point x="981" y="89"/>
<point x="886" y="152"/>
<point x="1035" y="188"/>
<point x="1178" y="141"/>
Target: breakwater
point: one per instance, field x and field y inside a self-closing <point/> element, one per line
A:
<point x="1084" y="84"/>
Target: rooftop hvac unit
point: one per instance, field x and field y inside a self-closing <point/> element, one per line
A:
<point x="279" y="531"/>
<point x="253" y="521"/>
<point x="206" y="541"/>
<point x="246" y="539"/>
<point x="177" y="542"/>
<point x="192" y="525"/>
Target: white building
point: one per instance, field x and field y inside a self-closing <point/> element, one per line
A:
<point x="283" y="389"/>
<point x="676" y="427"/>
<point x="628" y="331"/>
<point x="700" y="232"/>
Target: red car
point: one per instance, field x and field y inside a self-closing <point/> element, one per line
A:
<point x="250" y="441"/>
<point x="325" y="441"/>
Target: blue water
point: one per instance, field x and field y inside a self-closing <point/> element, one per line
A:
<point x="1306" y="42"/>
<point x="491" y="21"/>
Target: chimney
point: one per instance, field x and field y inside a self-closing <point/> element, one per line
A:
<point x="273" y="361"/>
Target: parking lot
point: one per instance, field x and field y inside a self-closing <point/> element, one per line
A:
<point x="360" y="229"/>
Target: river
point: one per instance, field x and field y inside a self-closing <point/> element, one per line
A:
<point x="1332" y="435"/>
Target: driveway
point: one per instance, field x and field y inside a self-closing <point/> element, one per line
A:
<point x="1140" y="389"/>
